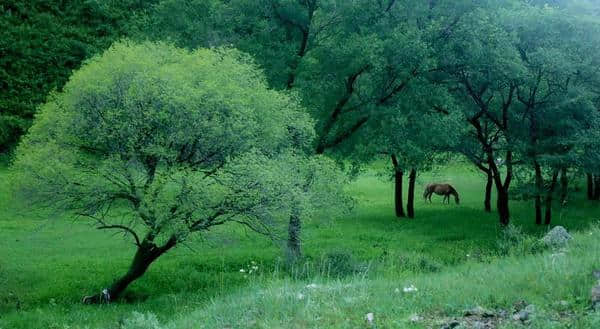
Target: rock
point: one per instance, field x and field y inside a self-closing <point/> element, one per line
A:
<point x="596" y="274"/>
<point x="450" y="325"/>
<point x="558" y="237"/>
<point x="522" y="315"/>
<point x="502" y="313"/>
<point x="479" y="311"/>
<point x="596" y="296"/>
<point x="415" y="318"/>
<point x="479" y="325"/>
<point x="525" y="314"/>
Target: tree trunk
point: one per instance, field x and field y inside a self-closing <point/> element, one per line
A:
<point x="147" y="252"/>
<point x="294" y="244"/>
<point x="487" y="203"/>
<point x="502" y="200"/>
<point x="564" y="185"/>
<point x="410" y="205"/>
<point x="590" y="186"/>
<point x="597" y="187"/>
<point x="398" y="175"/>
<point x="548" y="217"/>
<point x="502" y="205"/>
<point x="539" y="187"/>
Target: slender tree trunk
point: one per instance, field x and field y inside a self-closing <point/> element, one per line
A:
<point x="564" y="185"/>
<point x="597" y="187"/>
<point x="539" y="187"/>
<point x="147" y="252"/>
<point x="590" y="186"/>
<point x="294" y="244"/>
<point x="410" y="205"/>
<point x="502" y="200"/>
<point x="487" y="203"/>
<point x="548" y="217"/>
<point x="502" y="205"/>
<point x="398" y="175"/>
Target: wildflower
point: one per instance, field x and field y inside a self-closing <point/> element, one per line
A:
<point x="410" y="288"/>
<point x="255" y="267"/>
<point x="370" y="317"/>
<point x="312" y="286"/>
<point x="242" y="270"/>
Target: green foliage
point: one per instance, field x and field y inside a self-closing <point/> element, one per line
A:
<point x="42" y="42"/>
<point x="166" y="142"/>
<point x="514" y="242"/>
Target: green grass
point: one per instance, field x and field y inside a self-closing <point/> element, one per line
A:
<point x="542" y="280"/>
<point x="48" y="262"/>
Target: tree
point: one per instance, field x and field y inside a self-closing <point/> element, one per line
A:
<point x="482" y="64"/>
<point x="161" y="143"/>
<point x="41" y="43"/>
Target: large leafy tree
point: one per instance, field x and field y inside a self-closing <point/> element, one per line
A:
<point x="41" y="42"/>
<point x="162" y="143"/>
<point x="555" y="102"/>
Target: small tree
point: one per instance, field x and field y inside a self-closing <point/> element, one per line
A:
<point x="162" y="143"/>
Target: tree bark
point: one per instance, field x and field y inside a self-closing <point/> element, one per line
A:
<point x="147" y="252"/>
<point x="487" y="203"/>
<point x="410" y="205"/>
<point x="398" y="175"/>
<point x="548" y="217"/>
<point x="502" y="200"/>
<point x="597" y="187"/>
<point x="564" y="185"/>
<point x="539" y="187"/>
<point x="590" y="186"/>
<point x="502" y="205"/>
<point x="294" y="244"/>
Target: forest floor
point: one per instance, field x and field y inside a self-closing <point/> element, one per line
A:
<point x="456" y="256"/>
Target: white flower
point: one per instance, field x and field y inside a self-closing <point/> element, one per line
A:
<point x="410" y="288"/>
<point x="370" y="318"/>
<point x="242" y="270"/>
<point x="468" y="255"/>
<point x="255" y="268"/>
<point x="312" y="286"/>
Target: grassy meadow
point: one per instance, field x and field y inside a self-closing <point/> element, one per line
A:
<point x="452" y="253"/>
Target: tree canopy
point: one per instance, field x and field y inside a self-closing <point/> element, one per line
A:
<point x="160" y="143"/>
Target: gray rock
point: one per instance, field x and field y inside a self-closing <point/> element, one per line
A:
<point x="415" y="318"/>
<point x="522" y="315"/>
<point x="479" y="325"/>
<point x="558" y="237"/>
<point x="525" y="314"/>
<point x="451" y="325"/>
<point x="596" y="296"/>
<point x="479" y="311"/>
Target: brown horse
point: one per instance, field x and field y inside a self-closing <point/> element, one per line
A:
<point x="441" y="189"/>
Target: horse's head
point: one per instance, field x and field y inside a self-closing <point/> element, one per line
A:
<point x="456" y="198"/>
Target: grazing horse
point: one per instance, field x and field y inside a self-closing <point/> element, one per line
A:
<point x="441" y="189"/>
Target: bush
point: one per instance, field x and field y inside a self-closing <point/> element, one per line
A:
<point x="338" y="264"/>
<point x="516" y="243"/>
